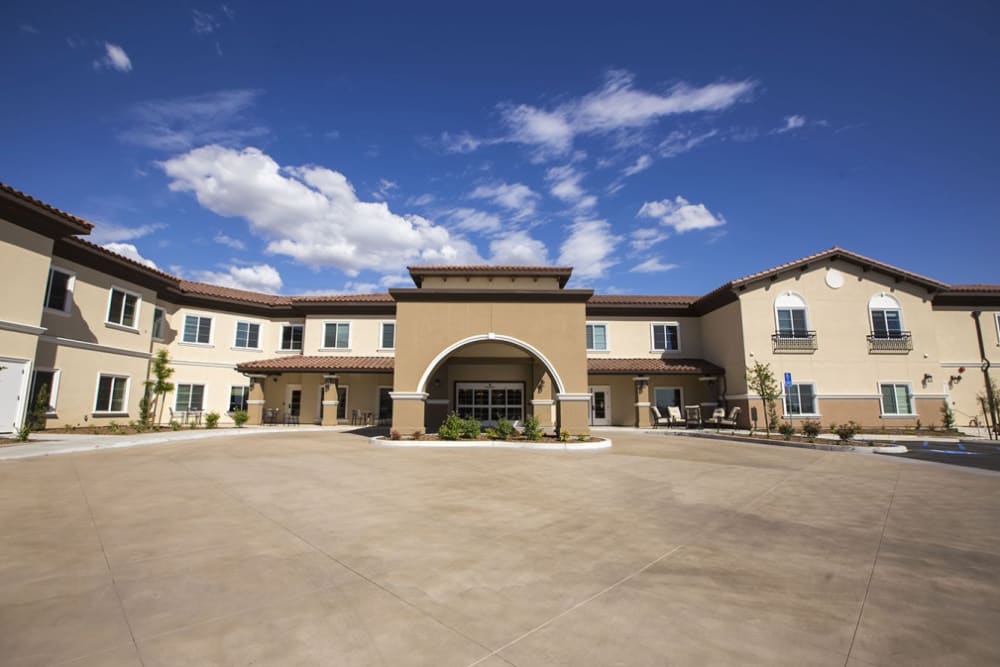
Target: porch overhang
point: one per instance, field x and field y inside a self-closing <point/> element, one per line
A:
<point x="698" y="367"/>
<point x="328" y="365"/>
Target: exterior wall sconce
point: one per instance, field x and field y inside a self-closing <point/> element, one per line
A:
<point x="928" y="378"/>
<point x="641" y="382"/>
<point x="540" y="386"/>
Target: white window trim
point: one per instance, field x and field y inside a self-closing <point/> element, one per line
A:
<point x="350" y="336"/>
<point x="211" y="329"/>
<point x="138" y="309"/>
<point x="381" y="336"/>
<point x="163" y="321"/>
<point x="54" y="389"/>
<point x="281" y="337"/>
<point x="70" y="287"/>
<point x="204" y="395"/>
<point x="347" y="399"/>
<point x="896" y="415"/>
<point x="652" y="338"/>
<point x="802" y="415"/>
<point x="898" y="308"/>
<point x="260" y="336"/>
<point x="777" y="323"/>
<point x="607" y="337"/>
<point x="231" y="387"/>
<point x="97" y="389"/>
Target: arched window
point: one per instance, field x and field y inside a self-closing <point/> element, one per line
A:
<point x="790" y="311"/>
<point x="886" y="316"/>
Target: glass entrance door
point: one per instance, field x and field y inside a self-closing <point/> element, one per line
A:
<point x="489" y="402"/>
<point x="600" y="406"/>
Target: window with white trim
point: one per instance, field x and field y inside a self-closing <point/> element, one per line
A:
<point x="291" y="337"/>
<point x="238" y="397"/>
<point x="247" y="335"/>
<point x="123" y="308"/>
<point x="197" y="329"/>
<point x="886" y="316"/>
<point x="387" y="336"/>
<point x="790" y="311"/>
<point x="597" y="337"/>
<point x="666" y="337"/>
<point x="59" y="290"/>
<point x="190" y="398"/>
<point x="337" y="335"/>
<point x="112" y="393"/>
<point x="159" y="322"/>
<point x="49" y="378"/>
<point x="897" y="399"/>
<point x="800" y="399"/>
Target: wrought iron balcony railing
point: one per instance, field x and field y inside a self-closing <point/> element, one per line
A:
<point x="800" y="341"/>
<point x="896" y="341"/>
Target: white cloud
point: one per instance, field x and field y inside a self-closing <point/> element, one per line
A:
<point x="678" y="142"/>
<point x="312" y="213"/>
<point x="181" y="123"/>
<point x="114" y="58"/>
<point x="793" y="122"/>
<point x="385" y="188"/>
<point x="588" y="248"/>
<point x="565" y="185"/>
<point x="519" y="249"/>
<point x="130" y="251"/>
<point x="474" y="220"/>
<point x="204" y="23"/>
<point x="463" y="142"/>
<point x="681" y="215"/>
<point x="516" y="197"/>
<point x="529" y="125"/>
<point x="652" y="265"/>
<point x="643" y="163"/>
<point x="229" y="241"/>
<point x="109" y="233"/>
<point x="256" y="278"/>
<point x="28" y="29"/>
<point x="423" y="200"/>
<point x="646" y="238"/>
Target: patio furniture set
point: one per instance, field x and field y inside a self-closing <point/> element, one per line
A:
<point x="692" y="417"/>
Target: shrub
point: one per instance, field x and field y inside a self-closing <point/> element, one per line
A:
<point x="504" y="429"/>
<point x="564" y="436"/>
<point x="582" y="438"/>
<point x="37" y="412"/>
<point x="23" y="433"/>
<point x="114" y="427"/>
<point x="451" y="427"/>
<point x="786" y="429"/>
<point x="211" y="420"/>
<point x="418" y="434"/>
<point x="846" y="431"/>
<point x="240" y="418"/>
<point x="532" y="431"/>
<point x="175" y="425"/>
<point x="470" y="428"/>
<point x="395" y="435"/>
<point x="947" y="416"/>
<point x="811" y="428"/>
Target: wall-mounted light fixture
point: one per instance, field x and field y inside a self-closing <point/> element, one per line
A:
<point x="927" y="379"/>
<point x="641" y="382"/>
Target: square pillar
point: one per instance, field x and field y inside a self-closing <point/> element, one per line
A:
<point x="541" y="403"/>
<point x="408" y="411"/>
<point x="642" y="402"/>
<point x="330" y="406"/>
<point x="574" y="413"/>
<point x="255" y="402"/>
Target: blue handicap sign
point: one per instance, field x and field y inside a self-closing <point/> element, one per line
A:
<point x="788" y="379"/>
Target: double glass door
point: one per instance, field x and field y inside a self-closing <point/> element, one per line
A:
<point x="488" y="402"/>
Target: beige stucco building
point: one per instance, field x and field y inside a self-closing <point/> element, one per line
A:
<point x="859" y="340"/>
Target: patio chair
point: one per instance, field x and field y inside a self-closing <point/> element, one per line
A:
<point x="518" y="426"/>
<point x="721" y="420"/>
<point x="692" y="416"/>
<point x="658" y="419"/>
<point x="674" y="413"/>
<point x="718" y="414"/>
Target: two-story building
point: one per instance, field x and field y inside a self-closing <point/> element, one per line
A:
<point x="858" y="340"/>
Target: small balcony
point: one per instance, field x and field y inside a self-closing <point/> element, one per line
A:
<point x="799" y="341"/>
<point x="896" y="342"/>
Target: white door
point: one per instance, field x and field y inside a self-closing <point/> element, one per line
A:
<point x="13" y="393"/>
<point x="600" y="406"/>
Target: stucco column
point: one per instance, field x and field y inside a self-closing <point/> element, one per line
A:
<point x="408" y="411"/>
<point x="330" y="405"/>
<point x="642" y="403"/>
<point x="255" y="402"/>
<point x="574" y="413"/>
<point x="542" y="405"/>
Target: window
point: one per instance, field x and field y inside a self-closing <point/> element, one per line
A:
<point x="665" y="397"/>
<point x="59" y="291"/>
<point x="190" y="397"/>
<point x="886" y="315"/>
<point x="666" y="337"/>
<point x="597" y="337"/>
<point x="896" y="399"/>
<point x="158" y="323"/>
<point x="197" y="329"/>
<point x="291" y="337"/>
<point x="123" y="308"/>
<point x="800" y="399"/>
<point x="248" y="335"/>
<point x="49" y="379"/>
<point x="388" y="337"/>
<point x="337" y="335"/>
<point x="238" y="397"/>
<point x="112" y="393"/>
<point x="490" y="402"/>
<point x="341" y="402"/>
<point x="790" y="310"/>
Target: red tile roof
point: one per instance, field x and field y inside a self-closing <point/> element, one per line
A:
<point x="344" y="298"/>
<point x="655" y="366"/>
<point x="324" y="364"/>
<point x="83" y="226"/>
<point x="232" y="294"/>
<point x="640" y="300"/>
<point x="561" y="272"/>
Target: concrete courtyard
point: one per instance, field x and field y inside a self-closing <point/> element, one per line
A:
<point x="317" y="548"/>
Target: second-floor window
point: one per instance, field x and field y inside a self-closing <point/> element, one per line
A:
<point x="59" y="291"/>
<point x="159" y="322"/>
<point x="291" y="337"/>
<point x="790" y="311"/>
<point x="197" y="329"/>
<point x="247" y="335"/>
<point x="666" y="337"/>
<point x="886" y="316"/>
<point x="800" y="399"/>
<point x="597" y="337"/>
<point x="123" y="308"/>
<point x="337" y="335"/>
<point x="388" y="338"/>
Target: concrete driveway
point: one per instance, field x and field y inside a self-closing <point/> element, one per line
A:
<point x="320" y="549"/>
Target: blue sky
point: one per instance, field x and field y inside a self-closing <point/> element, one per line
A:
<point x="322" y="147"/>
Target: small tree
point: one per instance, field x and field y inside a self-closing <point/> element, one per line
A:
<point x="35" y="419"/>
<point x="161" y="386"/>
<point x="947" y="416"/>
<point x="761" y="380"/>
<point x="146" y="406"/>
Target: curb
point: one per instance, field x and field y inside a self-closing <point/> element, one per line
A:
<point x="380" y="440"/>
<point x="878" y="449"/>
